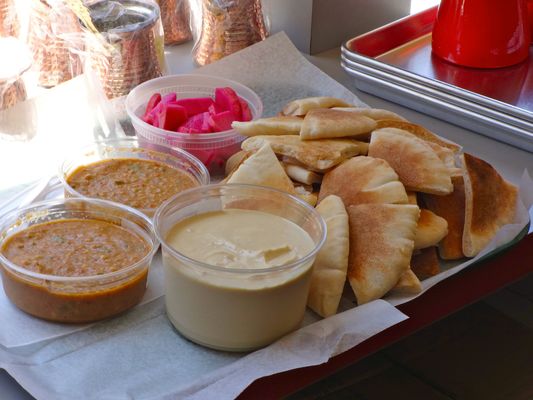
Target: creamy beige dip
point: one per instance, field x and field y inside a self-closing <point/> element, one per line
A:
<point x="241" y="306"/>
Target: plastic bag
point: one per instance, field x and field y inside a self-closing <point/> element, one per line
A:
<point x="54" y="57"/>
<point x="226" y="26"/>
<point x="12" y="88"/>
<point x="176" y="19"/>
<point x="9" y="23"/>
<point x="129" y="48"/>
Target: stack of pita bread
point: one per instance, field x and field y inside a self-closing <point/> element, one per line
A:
<point x="395" y="197"/>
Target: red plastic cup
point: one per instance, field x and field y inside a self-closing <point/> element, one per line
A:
<point x="481" y="33"/>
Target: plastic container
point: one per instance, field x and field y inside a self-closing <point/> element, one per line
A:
<point x="228" y="308"/>
<point x="75" y="299"/>
<point x="213" y="149"/>
<point x="131" y="148"/>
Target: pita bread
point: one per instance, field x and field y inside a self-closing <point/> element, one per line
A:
<point x="362" y="180"/>
<point x="301" y="107"/>
<point x="301" y="174"/>
<point x="263" y="168"/>
<point x="374" y="113"/>
<point x="408" y="284"/>
<point x="430" y="230"/>
<point x="381" y="244"/>
<point x="306" y="194"/>
<point x="324" y="123"/>
<point x="235" y="160"/>
<point x="451" y="207"/>
<point x="412" y="198"/>
<point x="331" y="263"/>
<point x="420" y="169"/>
<point x="420" y="132"/>
<point x="490" y="203"/>
<point x="425" y="263"/>
<point x="269" y="126"/>
<point x="317" y="155"/>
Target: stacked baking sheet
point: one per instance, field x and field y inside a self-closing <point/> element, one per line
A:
<point x="395" y="62"/>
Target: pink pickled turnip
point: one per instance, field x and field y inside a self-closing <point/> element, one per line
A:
<point x="154" y="101"/>
<point x="246" y="114"/>
<point x="172" y="116"/>
<point x="196" y="105"/>
<point x="221" y="121"/>
<point x="227" y="100"/>
<point x="197" y="123"/>
<point x="166" y="99"/>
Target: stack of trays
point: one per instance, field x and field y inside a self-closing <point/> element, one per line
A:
<point x="395" y="62"/>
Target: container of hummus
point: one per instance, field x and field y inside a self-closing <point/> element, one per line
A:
<point x="75" y="260"/>
<point x="237" y="262"/>
<point x="122" y="171"/>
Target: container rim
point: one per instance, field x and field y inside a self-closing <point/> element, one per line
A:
<point x="241" y="271"/>
<point x="8" y="220"/>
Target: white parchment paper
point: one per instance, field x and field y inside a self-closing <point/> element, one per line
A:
<point x="139" y="355"/>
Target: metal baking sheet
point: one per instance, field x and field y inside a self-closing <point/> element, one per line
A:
<point x="400" y="55"/>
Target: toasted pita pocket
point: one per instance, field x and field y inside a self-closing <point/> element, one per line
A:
<point x="263" y="168"/>
<point x="451" y="207"/>
<point x="324" y="123"/>
<point x="425" y="263"/>
<point x="430" y="230"/>
<point x="362" y="180"/>
<point x="306" y="194"/>
<point x="331" y="263"/>
<point x="301" y="174"/>
<point x="381" y="244"/>
<point x="420" y="132"/>
<point x="420" y="169"/>
<point x="301" y="107"/>
<point x="235" y="161"/>
<point x="408" y="284"/>
<point x="375" y="113"/>
<point x="412" y="198"/>
<point x="446" y="155"/>
<point x="317" y="155"/>
<point x="490" y="203"/>
<point x="269" y="126"/>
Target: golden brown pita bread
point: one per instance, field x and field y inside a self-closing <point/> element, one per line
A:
<point x="412" y="198"/>
<point x="374" y="113"/>
<point x="306" y="194"/>
<point x="300" y="174"/>
<point x="362" y="180"/>
<point x="235" y="160"/>
<point x="269" y="126"/>
<point x="430" y="230"/>
<point x="301" y="107"/>
<point x="425" y="263"/>
<point x="263" y="168"/>
<point x="381" y="244"/>
<point x="317" y="155"/>
<point x="418" y="166"/>
<point x="490" y="203"/>
<point x="420" y="132"/>
<point x="331" y="263"/>
<point x="408" y="284"/>
<point x="451" y="207"/>
<point x="323" y="123"/>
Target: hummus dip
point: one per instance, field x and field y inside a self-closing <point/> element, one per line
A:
<point x="253" y="289"/>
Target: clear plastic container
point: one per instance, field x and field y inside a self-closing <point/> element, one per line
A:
<point x="76" y="299"/>
<point x="236" y="309"/>
<point x="213" y="149"/>
<point x="131" y="148"/>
